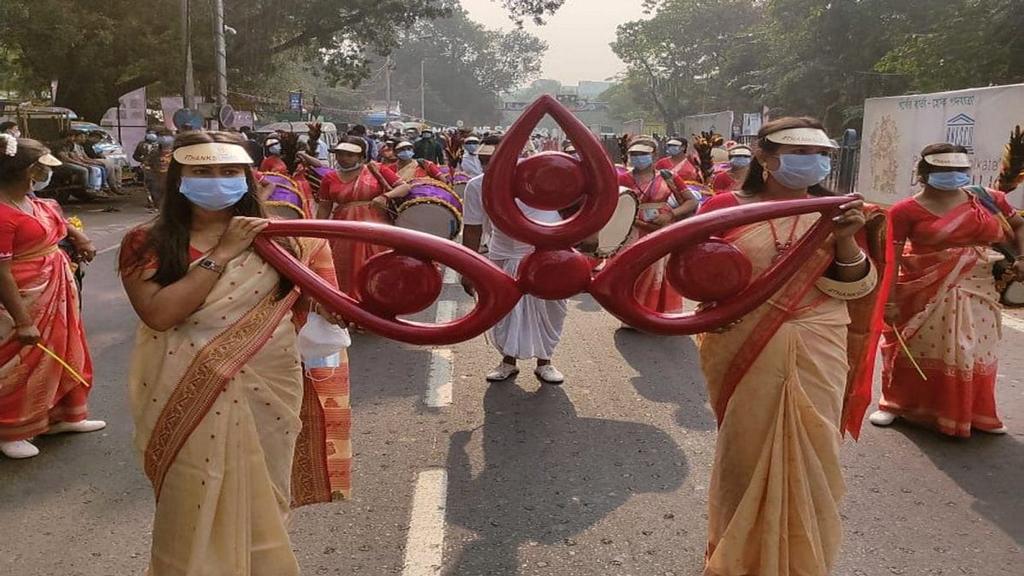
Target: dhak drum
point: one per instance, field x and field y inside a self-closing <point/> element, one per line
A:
<point x="430" y="207"/>
<point x="286" y="200"/>
<point x="617" y="230"/>
<point x="1013" y="294"/>
<point x="315" y="177"/>
<point x="459" y="182"/>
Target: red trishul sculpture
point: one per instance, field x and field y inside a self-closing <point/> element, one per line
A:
<point x="407" y="279"/>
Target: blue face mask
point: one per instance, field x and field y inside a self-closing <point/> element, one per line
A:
<point x="150" y="137"/>
<point x="471" y="148"/>
<point x="740" y="161"/>
<point x="405" y="154"/>
<point x="274" y="149"/>
<point x="673" y="150"/>
<point x="802" y="170"/>
<point x="949" y="180"/>
<point x="213" y="194"/>
<point x="641" y="161"/>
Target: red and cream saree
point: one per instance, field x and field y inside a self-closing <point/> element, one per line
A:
<point x="785" y="383"/>
<point x="35" y="390"/>
<point x="950" y="318"/>
<point x="231" y="433"/>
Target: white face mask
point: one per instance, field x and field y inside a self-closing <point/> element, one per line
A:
<point x="39" y="185"/>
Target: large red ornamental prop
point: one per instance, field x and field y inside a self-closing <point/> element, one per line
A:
<point x="406" y="279"/>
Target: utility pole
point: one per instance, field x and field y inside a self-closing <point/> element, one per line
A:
<point x="189" y="88"/>
<point x="423" y="92"/>
<point x="220" y="53"/>
<point x="387" y="89"/>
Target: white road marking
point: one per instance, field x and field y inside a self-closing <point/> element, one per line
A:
<point x="439" y="380"/>
<point x="451" y="276"/>
<point x="108" y="249"/>
<point x="442" y="363"/>
<point x="1013" y="323"/>
<point x="446" y="311"/>
<point x="424" y="549"/>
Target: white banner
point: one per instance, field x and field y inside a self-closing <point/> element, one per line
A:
<point x="897" y="129"/>
<point x="751" y="124"/>
<point x="127" y="122"/>
<point x="717" y="122"/>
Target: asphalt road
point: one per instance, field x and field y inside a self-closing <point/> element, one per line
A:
<point x="605" y="475"/>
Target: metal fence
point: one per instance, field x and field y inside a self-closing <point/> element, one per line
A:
<point x="845" y="163"/>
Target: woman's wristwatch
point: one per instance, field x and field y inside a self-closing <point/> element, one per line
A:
<point x="211" y="265"/>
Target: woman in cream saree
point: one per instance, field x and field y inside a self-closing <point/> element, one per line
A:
<point x="785" y="383"/>
<point x="231" y="433"/>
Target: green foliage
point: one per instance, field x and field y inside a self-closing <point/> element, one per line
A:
<point x="99" y="49"/>
<point x="466" y="67"/>
<point x="815" y="57"/>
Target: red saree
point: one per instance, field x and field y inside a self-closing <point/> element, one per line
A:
<point x="35" y="390"/>
<point x="352" y="202"/>
<point x="950" y="318"/>
<point x="653" y="289"/>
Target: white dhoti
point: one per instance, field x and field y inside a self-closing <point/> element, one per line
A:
<point x="533" y="328"/>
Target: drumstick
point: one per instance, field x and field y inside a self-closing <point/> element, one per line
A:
<point x="61" y="361"/>
<point x="906" y="350"/>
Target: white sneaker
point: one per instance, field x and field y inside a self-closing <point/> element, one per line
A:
<point x="19" y="449"/>
<point x="548" y="374"/>
<point x="502" y="372"/>
<point x="79" y="427"/>
<point x="882" y="418"/>
<point x="997" y="431"/>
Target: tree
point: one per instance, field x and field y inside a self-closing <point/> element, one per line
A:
<point x="100" y="49"/>
<point x="466" y="67"/>
<point x="675" y="59"/>
<point x="538" y="88"/>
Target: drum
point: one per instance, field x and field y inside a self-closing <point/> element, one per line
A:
<point x="459" y="184"/>
<point x="430" y="207"/>
<point x="1013" y="294"/>
<point x="617" y="230"/>
<point x="286" y="199"/>
<point x="315" y="177"/>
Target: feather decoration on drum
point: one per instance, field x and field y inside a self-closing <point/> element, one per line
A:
<point x="703" y="144"/>
<point x="624" y="142"/>
<point x="453" y="150"/>
<point x="289" y="149"/>
<point x="1011" y="171"/>
<point x="314" y="134"/>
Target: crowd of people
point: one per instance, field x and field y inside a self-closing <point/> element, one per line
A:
<point x="239" y="381"/>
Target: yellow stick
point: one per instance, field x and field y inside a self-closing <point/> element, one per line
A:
<point x="61" y="361"/>
<point x="906" y="350"/>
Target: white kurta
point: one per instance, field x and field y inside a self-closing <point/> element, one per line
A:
<point x="470" y="165"/>
<point x="533" y="328"/>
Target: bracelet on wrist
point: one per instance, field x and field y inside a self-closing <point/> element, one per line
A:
<point x="856" y="262"/>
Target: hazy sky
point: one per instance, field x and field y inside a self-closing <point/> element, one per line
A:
<point x="577" y="36"/>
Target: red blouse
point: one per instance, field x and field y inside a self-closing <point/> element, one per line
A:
<point x="21" y="232"/>
<point x="908" y="215"/>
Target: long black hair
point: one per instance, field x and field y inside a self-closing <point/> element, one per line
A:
<point x="167" y="236"/>
<point x="757" y="176"/>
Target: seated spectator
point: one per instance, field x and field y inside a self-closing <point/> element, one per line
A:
<point x="111" y="166"/>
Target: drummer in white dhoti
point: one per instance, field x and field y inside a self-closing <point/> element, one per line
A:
<point x="534" y="327"/>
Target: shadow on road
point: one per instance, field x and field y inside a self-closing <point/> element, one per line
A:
<point x="986" y="467"/>
<point x="665" y="365"/>
<point x="548" y="475"/>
